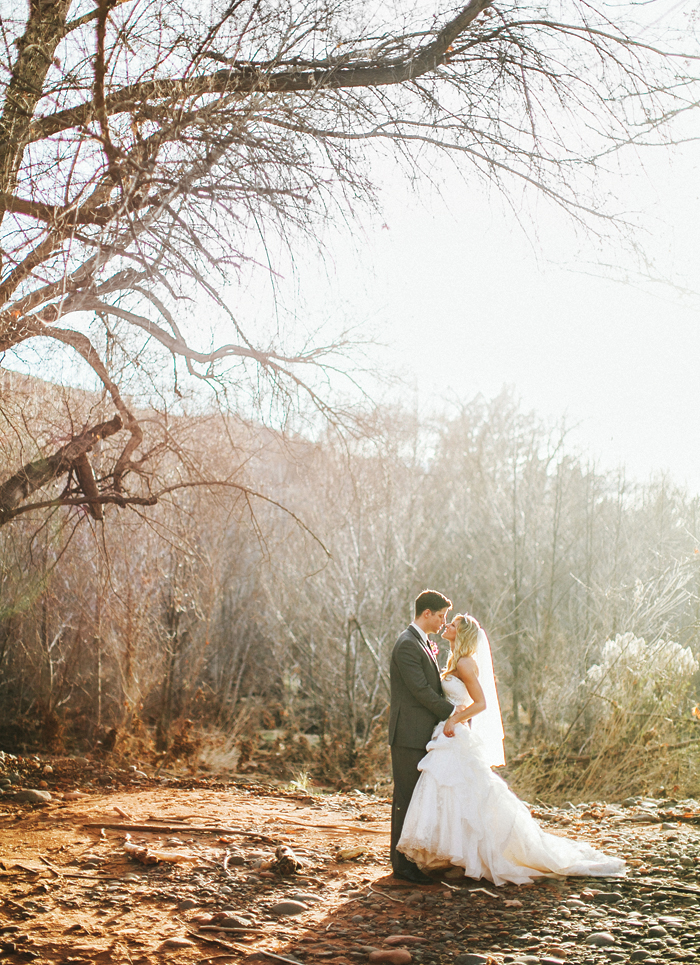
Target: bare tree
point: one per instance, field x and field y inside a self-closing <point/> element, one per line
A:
<point x="150" y="153"/>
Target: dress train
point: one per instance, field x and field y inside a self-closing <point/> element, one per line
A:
<point x="463" y="814"/>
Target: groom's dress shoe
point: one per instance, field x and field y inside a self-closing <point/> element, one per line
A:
<point x="415" y="877"/>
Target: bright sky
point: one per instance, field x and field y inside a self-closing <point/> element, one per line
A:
<point x="466" y="302"/>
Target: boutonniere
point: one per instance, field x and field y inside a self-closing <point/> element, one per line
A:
<point x="434" y="649"/>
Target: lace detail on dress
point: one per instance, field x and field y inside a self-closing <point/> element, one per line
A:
<point x="455" y="690"/>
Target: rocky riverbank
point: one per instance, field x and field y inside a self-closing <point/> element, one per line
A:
<point x="122" y="867"/>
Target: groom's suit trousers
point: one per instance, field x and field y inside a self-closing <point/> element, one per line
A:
<point x="404" y="764"/>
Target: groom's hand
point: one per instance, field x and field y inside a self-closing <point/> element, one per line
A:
<point x="449" y="727"/>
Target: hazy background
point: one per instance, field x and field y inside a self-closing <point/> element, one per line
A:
<point x="465" y="294"/>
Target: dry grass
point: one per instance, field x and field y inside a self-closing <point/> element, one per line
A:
<point x="620" y="759"/>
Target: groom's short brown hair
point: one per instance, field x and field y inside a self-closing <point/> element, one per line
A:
<point x="431" y="600"/>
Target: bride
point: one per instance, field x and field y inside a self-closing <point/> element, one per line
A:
<point x="461" y="812"/>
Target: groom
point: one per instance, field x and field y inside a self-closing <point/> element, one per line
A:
<point x="417" y="704"/>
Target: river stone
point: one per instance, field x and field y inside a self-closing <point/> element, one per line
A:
<point x="600" y="938"/>
<point x="639" y="955"/>
<point x="232" y="921"/>
<point x="32" y="796"/>
<point x="288" y="908"/>
<point x="305" y="898"/>
<point x="396" y="956"/>
<point x="657" y="931"/>
<point x="607" y="898"/>
<point x="471" y="959"/>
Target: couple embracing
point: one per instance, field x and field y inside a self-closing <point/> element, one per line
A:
<point x="449" y="808"/>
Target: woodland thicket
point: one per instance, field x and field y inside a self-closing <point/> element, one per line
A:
<point x="250" y="636"/>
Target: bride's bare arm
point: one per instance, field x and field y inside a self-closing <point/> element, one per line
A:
<point x="466" y="670"/>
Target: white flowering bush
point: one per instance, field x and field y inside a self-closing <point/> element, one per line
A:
<point x="634" y="675"/>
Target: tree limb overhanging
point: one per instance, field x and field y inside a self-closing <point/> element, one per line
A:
<point x="141" y="146"/>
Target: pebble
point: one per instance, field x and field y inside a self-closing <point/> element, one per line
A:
<point x="288" y="908"/>
<point x="177" y="943"/>
<point x="404" y="940"/>
<point x="471" y="959"/>
<point x="305" y="898"/>
<point x="186" y="904"/>
<point x="657" y="931"/>
<point x="32" y="796"/>
<point x="232" y="921"/>
<point x="639" y="955"/>
<point x="600" y="938"/>
<point x="607" y="897"/>
<point x="397" y="956"/>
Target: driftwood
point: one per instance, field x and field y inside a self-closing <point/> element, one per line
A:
<point x="361" y="829"/>
<point x="148" y="855"/>
<point x="226" y="928"/>
<point x="681" y="889"/>
<point x="169" y="828"/>
<point x="235" y="947"/>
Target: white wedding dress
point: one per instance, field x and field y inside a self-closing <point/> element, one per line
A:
<point x="464" y="814"/>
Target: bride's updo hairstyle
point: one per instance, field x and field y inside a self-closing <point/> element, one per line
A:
<point x="467" y="628"/>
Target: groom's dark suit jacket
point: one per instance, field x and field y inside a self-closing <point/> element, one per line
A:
<point x="417" y="701"/>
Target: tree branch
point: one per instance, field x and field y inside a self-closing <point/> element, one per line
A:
<point x="251" y="78"/>
<point x="36" y="474"/>
<point x="151" y="500"/>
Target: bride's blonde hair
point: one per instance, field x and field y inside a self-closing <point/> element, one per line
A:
<point x="467" y="628"/>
